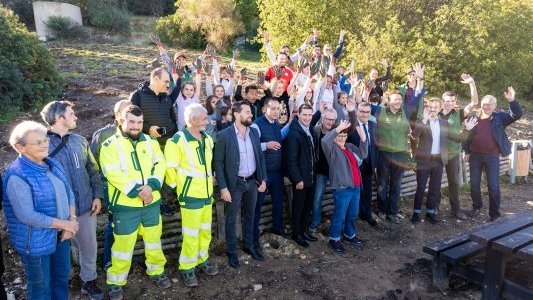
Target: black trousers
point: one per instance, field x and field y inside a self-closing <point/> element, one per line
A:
<point x="453" y="170"/>
<point x="428" y="169"/>
<point x="302" y="203"/>
<point x="365" y="202"/>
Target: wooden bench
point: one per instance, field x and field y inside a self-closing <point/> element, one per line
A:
<point x="509" y="237"/>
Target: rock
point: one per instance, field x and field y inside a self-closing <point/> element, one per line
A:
<point x="316" y="270"/>
<point x="17" y="280"/>
<point x="257" y="286"/>
<point x="296" y="251"/>
<point x="302" y="256"/>
<point x="266" y="245"/>
<point x="175" y="280"/>
<point x="246" y="262"/>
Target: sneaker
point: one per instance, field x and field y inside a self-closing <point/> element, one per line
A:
<point x="162" y="281"/>
<point x="432" y="218"/>
<point x="415" y="218"/>
<point x="189" y="279"/>
<point x="353" y="241"/>
<point x="92" y="290"/>
<point x="209" y="269"/>
<point x="382" y="216"/>
<point x="474" y="213"/>
<point x="393" y="219"/>
<point x="459" y="215"/>
<point x="115" y="292"/>
<point x="166" y="210"/>
<point x="337" y="246"/>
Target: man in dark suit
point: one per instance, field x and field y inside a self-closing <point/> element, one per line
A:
<point x="299" y="151"/>
<point x="369" y="164"/>
<point x="240" y="168"/>
<point x="431" y="155"/>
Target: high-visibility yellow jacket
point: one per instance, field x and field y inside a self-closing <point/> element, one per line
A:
<point x="189" y="168"/>
<point x="128" y="165"/>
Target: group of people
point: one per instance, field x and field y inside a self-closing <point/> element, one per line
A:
<point x="317" y="123"/>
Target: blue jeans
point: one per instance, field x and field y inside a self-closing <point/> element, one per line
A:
<point x="345" y="213"/>
<point x="491" y="164"/>
<point x="320" y="188"/>
<point x="276" y="187"/>
<point x="47" y="275"/>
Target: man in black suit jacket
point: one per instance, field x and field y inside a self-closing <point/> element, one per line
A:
<point x="369" y="164"/>
<point x="299" y="152"/>
<point x="240" y="169"/>
<point x="431" y="155"/>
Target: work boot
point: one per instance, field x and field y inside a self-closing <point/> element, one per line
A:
<point x="209" y="269"/>
<point x="162" y="281"/>
<point x="92" y="290"/>
<point x="189" y="279"/>
<point x="474" y="213"/>
<point x="115" y="292"/>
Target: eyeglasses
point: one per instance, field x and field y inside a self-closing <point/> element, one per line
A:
<point x="330" y="120"/>
<point x="342" y="135"/>
<point x="40" y="143"/>
<point x="364" y="111"/>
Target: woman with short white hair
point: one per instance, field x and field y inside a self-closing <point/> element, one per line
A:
<point x="39" y="204"/>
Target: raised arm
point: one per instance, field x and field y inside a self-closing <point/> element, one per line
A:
<point x="338" y="52"/>
<point x="474" y="98"/>
<point x="270" y="52"/>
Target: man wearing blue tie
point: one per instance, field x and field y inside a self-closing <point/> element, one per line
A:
<point x="369" y="164"/>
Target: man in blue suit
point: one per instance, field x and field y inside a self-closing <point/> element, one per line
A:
<point x="369" y="164"/>
<point x="240" y="169"/>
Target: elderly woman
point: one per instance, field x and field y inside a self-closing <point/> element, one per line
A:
<point x="40" y="213"/>
<point x="345" y="181"/>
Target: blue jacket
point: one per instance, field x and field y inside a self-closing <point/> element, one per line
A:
<point x="34" y="241"/>
<point x="270" y="132"/>
<point x="498" y="122"/>
<point x="81" y="169"/>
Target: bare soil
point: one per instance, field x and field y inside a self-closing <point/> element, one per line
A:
<point x="391" y="264"/>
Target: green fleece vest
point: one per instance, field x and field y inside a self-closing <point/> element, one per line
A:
<point x="393" y="131"/>
<point x="454" y="125"/>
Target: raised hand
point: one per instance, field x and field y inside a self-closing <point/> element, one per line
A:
<point x="344" y="124"/>
<point x="208" y="68"/>
<point x="385" y="62"/>
<point x="465" y="78"/>
<point x="315" y="67"/>
<point x="309" y="38"/>
<point x="198" y="64"/>
<point x="510" y="94"/>
<point x="355" y="80"/>
<point x="261" y="78"/>
<point x="419" y="70"/>
<point x="155" y="38"/>
<point x="316" y="33"/>
<point x="236" y="54"/>
<point x="426" y="115"/>
<point x="350" y="105"/>
<point x="277" y="71"/>
<point x="361" y="133"/>
<point x="342" y="33"/>
<point x="180" y="70"/>
<point x="242" y="72"/>
<point x="266" y="36"/>
<point x="302" y="63"/>
<point x="470" y="123"/>
<point x="230" y="70"/>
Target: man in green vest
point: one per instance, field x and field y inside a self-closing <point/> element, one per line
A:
<point x="455" y="117"/>
<point x="392" y="137"/>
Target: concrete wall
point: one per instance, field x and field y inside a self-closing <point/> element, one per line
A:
<point x="42" y="10"/>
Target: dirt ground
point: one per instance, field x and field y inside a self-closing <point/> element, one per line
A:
<point x="391" y="264"/>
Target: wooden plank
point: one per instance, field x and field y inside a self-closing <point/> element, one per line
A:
<point x="515" y="241"/>
<point x="462" y="252"/>
<point x="526" y="253"/>
<point x="445" y="244"/>
<point x="494" y="274"/>
<point x="505" y="226"/>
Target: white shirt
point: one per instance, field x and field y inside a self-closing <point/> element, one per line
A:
<point x="435" y="134"/>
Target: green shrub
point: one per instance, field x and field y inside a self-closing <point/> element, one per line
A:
<point x="22" y="8"/>
<point x="110" y="15"/>
<point x="64" y="27"/>
<point x="151" y="7"/>
<point x="170" y="31"/>
<point x="28" y="76"/>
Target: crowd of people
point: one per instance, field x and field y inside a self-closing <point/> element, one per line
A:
<point x="317" y="123"/>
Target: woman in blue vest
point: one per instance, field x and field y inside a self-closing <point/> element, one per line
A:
<point x="40" y="213"/>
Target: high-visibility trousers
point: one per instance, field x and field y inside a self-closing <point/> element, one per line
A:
<point x="196" y="231"/>
<point x="127" y="225"/>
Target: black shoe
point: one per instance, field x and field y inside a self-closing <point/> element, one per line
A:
<point x="92" y="290"/>
<point x="337" y="246"/>
<point x="474" y="213"/>
<point x="233" y="260"/>
<point x="494" y="217"/>
<point x="432" y="218"/>
<point x="300" y="241"/>
<point x="255" y="255"/>
<point x="353" y="241"/>
<point x="309" y="237"/>
<point x="371" y="221"/>
<point x="415" y="218"/>
<point x="166" y="210"/>
<point x="280" y="233"/>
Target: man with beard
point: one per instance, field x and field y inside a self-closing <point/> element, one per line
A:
<point x="135" y="167"/>
<point x="81" y="170"/>
<point x="189" y="155"/>
<point x="241" y="172"/>
<point x="280" y="71"/>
